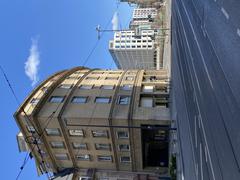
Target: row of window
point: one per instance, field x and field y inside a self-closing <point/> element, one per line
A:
<point x="152" y="101"/>
<point x="133" y="41"/>
<point x="152" y="88"/>
<point x="101" y="178"/>
<point x="138" y="46"/>
<point x="122" y="100"/>
<point x="125" y="87"/>
<point x="128" y="36"/>
<point x="127" y="78"/>
<point x="88" y="157"/>
<point x="83" y="146"/>
<point x="81" y="132"/>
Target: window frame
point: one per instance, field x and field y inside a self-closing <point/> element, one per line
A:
<point x="112" y="78"/>
<point x="130" y="87"/>
<point x="99" y="97"/>
<point x="56" y="97"/>
<point x="102" y="156"/>
<point x="123" y="150"/>
<point x="131" y="78"/>
<point x="95" y="131"/>
<point x="65" y="86"/>
<point x="56" y="146"/>
<point x="71" y="131"/>
<point x="92" y="77"/>
<point x="83" y="159"/>
<point x="86" y="86"/>
<point x="125" y="161"/>
<point x="119" y="137"/>
<point x="102" y="87"/>
<point x="75" y="147"/>
<point x="49" y="134"/>
<point x="122" y="97"/>
<point x="103" y="148"/>
<point x="79" y="97"/>
<point x="61" y="159"/>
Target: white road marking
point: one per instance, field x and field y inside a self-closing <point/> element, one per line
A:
<point x="225" y="13"/>
<point x="238" y="32"/>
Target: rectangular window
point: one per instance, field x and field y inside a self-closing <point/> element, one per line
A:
<point x="125" y="159"/>
<point x="76" y="132"/>
<point x="161" y="88"/>
<point x="31" y="129"/>
<point x="111" y="78"/>
<point x="129" y="78"/>
<point x="107" y="87"/>
<point x="104" y="100"/>
<point x="61" y="156"/>
<point x="56" y="99"/>
<point x="115" y="72"/>
<point x="122" y="135"/>
<point x="123" y="147"/>
<point x="65" y="86"/>
<point x="161" y="101"/>
<point x="73" y="77"/>
<point x="77" y="145"/>
<point x="85" y="178"/>
<point x="57" y="144"/>
<point x="34" y="101"/>
<point x="92" y="78"/>
<point x="44" y="89"/>
<point x="123" y="100"/>
<point x="104" y="158"/>
<point x="146" y="102"/>
<point x="97" y="72"/>
<point x="83" y="157"/>
<point x="86" y="87"/>
<point x="100" y="133"/>
<point x="102" y="146"/>
<point x="79" y="99"/>
<point x="52" y="132"/>
<point x="147" y="88"/>
<point x="127" y="87"/>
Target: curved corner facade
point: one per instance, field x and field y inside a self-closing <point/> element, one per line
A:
<point x="102" y="123"/>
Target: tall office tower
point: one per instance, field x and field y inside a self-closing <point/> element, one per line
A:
<point x="134" y="50"/>
<point x="143" y="16"/>
<point x="142" y="46"/>
<point x="145" y="3"/>
<point x="97" y="124"/>
<point x="206" y="83"/>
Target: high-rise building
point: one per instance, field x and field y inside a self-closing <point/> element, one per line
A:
<point x="145" y="3"/>
<point x="141" y="47"/>
<point x="134" y="50"/>
<point x="98" y="124"/>
<point x="143" y="16"/>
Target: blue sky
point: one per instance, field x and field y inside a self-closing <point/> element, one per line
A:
<point x="63" y="32"/>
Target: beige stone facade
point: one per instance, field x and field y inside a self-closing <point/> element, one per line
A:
<point x="103" y="124"/>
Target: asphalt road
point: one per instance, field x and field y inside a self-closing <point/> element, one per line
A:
<point x="206" y="83"/>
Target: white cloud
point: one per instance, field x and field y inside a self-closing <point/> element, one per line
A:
<point x="115" y="21"/>
<point x="32" y="63"/>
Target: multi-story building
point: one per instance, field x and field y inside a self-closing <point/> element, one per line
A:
<point x="144" y="13"/>
<point x="145" y="3"/>
<point x="98" y="124"/>
<point x="135" y="49"/>
<point x="142" y="16"/>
